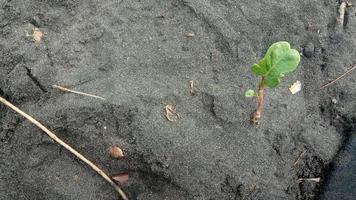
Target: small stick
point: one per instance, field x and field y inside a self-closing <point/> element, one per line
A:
<point x="310" y="179"/>
<point x="191" y="87"/>
<point x="299" y="157"/>
<point x="342" y="10"/>
<point x="338" y="78"/>
<point x="76" y="92"/>
<point x="66" y="146"/>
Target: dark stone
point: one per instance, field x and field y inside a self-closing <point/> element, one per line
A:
<point x="308" y="50"/>
<point x="35" y="20"/>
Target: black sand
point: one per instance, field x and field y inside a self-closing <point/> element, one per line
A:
<point x="137" y="55"/>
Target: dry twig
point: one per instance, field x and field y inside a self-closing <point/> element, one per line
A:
<point x="66" y="146"/>
<point x="338" y="78"/>
<point x="191" y="87"/>
<point x="310" y="179"/>
<point x="77" y="92"/>
<point x="342" y="10"/>
<point x="299" y="157"/>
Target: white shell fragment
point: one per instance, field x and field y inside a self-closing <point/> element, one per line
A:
<point x="295" y="87"/>
<point x="190" y="34"/>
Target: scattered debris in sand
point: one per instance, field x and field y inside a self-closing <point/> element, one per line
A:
<point x="338" y="78"/>
<point x="189" y="34"/>
<point x="313" y="28"/>
<point x="122" y="178"/>
<point x="251" y="189"/>
<point x="192" y="92"/>
<point x="76" y="178"/>
<point x="76" y="92"/>
<point x="299" y="158"/>
<point x="295" y="87"/>
<point x="116" y="152"/>
<point x="310" y="179"/>
<point x="163" y="14"/>
<point x="170" y="113"/>
<point x="66" y="146"/>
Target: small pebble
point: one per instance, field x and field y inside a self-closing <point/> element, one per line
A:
<point x="72" y="13"/>
<point x="334" y="101"/>
<point x="308" y="50"/>
<point x="116" y="152"/>
<point x="190" y="34"/>
<point x="185" y="48"/>
<point x="36" y="21"/>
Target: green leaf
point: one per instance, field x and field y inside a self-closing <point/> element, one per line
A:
<point x="258" y="70"/>
<point x="273" y="78"/>
<point x="250" y="93"/>
<point x="272" y="82"/>
<point x="285" y="60"/>
<point x="278" y="60"/>
<point x="266" y="61"/>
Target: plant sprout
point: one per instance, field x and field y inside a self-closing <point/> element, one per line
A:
<point x="279" y="60"/>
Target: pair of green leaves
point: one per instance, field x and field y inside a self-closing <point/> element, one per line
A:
<point x="279" y="60"/>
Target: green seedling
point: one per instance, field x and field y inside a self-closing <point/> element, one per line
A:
<point x="280" y="59"/>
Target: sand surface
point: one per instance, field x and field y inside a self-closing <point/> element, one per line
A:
<point x="141" y="56"/>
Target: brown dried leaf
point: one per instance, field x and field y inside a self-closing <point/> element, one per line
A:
<point x="37" y="36"/>
<point x="170" y="112"/>
<point x="122" y="178"/>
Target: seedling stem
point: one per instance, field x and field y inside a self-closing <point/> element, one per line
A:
<point x="257" y="115"/>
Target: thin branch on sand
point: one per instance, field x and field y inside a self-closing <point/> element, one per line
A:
<point x="191" y="83"/>
<point x="77" y="92"/>
<point x="66" y="146"/>
<point x="299" y="158"/>
<point x="342" y="9"/>
<point x="338" y="78"/>
<point x="310" y="179"/>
